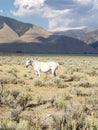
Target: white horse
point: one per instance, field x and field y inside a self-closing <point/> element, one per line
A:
<point x="43" y="66"/>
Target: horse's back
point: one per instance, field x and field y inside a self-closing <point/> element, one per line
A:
<point x="46" y="66"/>
<point x="53" y="64"/>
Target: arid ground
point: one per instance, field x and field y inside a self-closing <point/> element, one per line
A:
<point x="68" y="101"/>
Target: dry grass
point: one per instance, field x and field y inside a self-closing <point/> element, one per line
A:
<point x="73" y="92"/>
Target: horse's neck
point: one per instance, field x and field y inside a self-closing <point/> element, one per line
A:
<point x="32" y="63"/>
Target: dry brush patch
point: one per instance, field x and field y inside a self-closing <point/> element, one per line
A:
<point x="66" y="101"/>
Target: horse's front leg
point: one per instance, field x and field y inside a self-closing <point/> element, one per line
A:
<point x="36" y="73"/>
<point x="39" y="73"/>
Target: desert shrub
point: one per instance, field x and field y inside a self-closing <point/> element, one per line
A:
<point x="28" y="117"/>
<point x="19" y="104"/>
<point x="92" y="72"/>
<point x="70" y="78"/>
<point x="39" y="99"/>
<point x="4" y="81"/>
<point x="23" y="100"/>
<point x="93" y="102"/>
<point x="59" y="101"/>
<point x="56" y="82"/>
<point x="61" y="62"/>
<point x="15" y="114"/>
<point x="13" y="81"/>
<point x="84" y="84"/>
<point x="9" y="100"/>
<point x="16" y="81"/>
<point x="75" y="116"/>
<point x="4" y="97"/>
<point x="23" y="125"/>
<point x="50" y="121"/>
<point x="7" y="97"/>
<point x="45" y="122"/>
<point x="15" y="93"/>
<point x="12" y="125"/>
<point x="62" y="76"/>
<point x="1" y="91"/>
<point x="31" y="78"/>
<point x="13" y="72"/>
<point x="38" y="82"/>
<point x="80" y="92"/>
<point x="50" y="83"/>
<point x="16" y="102"/>
<point x="7" y="125"/>
<point x="25" y="75"/>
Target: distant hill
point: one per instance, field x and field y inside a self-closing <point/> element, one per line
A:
<point x="12" y="30"/>
<point x="19" y="37"/>
<point x="88" y="34"/>
<point x="95" y="45"/>
<point x="19" y="27"/>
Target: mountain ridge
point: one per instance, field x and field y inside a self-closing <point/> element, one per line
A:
<point x="20" y="37"/>
<point x="88" y="35"/>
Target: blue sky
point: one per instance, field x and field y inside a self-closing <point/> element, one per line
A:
<point x="52" y="15"/>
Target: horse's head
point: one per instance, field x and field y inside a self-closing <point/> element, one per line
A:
<point x="28" y="62"/>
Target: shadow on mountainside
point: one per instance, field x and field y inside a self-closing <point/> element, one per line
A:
<point x="53" y="44"/>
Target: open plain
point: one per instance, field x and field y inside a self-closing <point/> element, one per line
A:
<point x="68" y="101"/>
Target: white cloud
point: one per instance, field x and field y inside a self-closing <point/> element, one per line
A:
<point x="27" y="7"/>
<point x="57" y="24"/>
<point x="57" y="18"/>
<point x="75" y="14"/>
<point x="95" y="5"/>
<point x="84" y="2"/>
<point x="32" y="7"/>
<point x="38" y="7"/>
<point x="51" y="13"/>
<point x="1" y="11"/>
<point x="28" y="3"/>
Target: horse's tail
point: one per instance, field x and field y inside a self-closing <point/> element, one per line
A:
<point x="57" y="69"/>
<point x="58" y="65"/>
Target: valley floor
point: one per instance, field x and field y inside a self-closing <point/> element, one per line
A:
<point x="67" y="101"/>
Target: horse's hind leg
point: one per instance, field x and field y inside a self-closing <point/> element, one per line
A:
<point x="53" y="73"/>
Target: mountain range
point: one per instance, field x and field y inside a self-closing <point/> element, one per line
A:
<point x="20" y="37"/>
<point x="89" y="35"/>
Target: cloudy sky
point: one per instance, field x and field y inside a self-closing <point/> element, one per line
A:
<point x="52" y="14"/>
